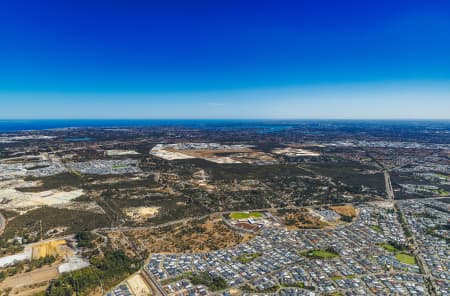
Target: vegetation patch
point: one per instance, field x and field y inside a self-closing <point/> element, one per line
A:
<point x="38" y="263"/>
<point x="350" y="173"/>
<point x="8" y="213"/>
<point x="389" y="247"/>
<point x="300" y="285"/>
<point x="213" y="283"/>
<point x="432" y="231"/>
<point x="272" y="289"/>
<point x="328" y="253"/>
<point x="197" y="235"/>
<point x="29" y="225"/>
<point x="26" y="266"/>
<point x="347" y="219"/>
<point x="376" y="228"/>
<point x="440" y="192"/>
<point x="247" y="258"/>
<point x="184" y="275"/>
<point x="105" y="271"/>
<point x="119" y="166"/>
<point x="300" y="219"/>
<point x="400" y="252"/>
<point x="59" y="181"/>
<point x="338" y="277"/>
<point x="84" y="239"/>
<point x="345" y="210"/>
<point x="392" y="246"/>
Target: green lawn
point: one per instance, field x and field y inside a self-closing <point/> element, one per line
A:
<point x="440" y="192"/>
<point x="405" y="258"/>
<point x="324" y="254"/>
<point x="295" y="285"/>
<point x="246" y="258"/>
<point x="320" y="254"/>
<point x="245" y="215"/>
<point x="376" y="228"/>
<point x="119" y="166"/>
<point x="336" y="278"/>
<point x="389" y="247"/>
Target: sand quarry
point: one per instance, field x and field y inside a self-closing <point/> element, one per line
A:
<point x="140" y="214"/>
<point x="213" y="152"/>
<point x="295" y="152"/>
<point x="138" y="286"/>
<point x="51" y="248"/>
<point x="116" y="152"/>
<point x="11" y="198"/>
<point x="39" y="250"/>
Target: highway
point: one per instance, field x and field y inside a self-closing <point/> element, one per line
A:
<point x="415" y="246"/>
<point x="419" y="256"/>
<point x="389" y="189"/>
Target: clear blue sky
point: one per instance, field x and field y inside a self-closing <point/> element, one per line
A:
<point x="225" y="59"/>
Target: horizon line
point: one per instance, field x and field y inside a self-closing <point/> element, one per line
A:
<point x="229" y="119"/>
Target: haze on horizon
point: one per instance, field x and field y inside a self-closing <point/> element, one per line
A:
<point x="225" y="59"/>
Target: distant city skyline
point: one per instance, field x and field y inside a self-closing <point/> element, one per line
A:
<point x="225" y="60"/>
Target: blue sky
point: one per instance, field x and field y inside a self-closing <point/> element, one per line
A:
<point x="224" y="59"/>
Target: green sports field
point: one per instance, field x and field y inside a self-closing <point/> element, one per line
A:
<point x="245" y="215"/>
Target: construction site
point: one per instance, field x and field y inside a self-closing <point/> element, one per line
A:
<point x="60" y="256"/>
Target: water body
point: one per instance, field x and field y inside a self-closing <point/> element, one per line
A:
<point x="263" y="126"/>
<point x="32" y="125"/>
<point x="78" y="139"/>
<point x="24" y="125"/>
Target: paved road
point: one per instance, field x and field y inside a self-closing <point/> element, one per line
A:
<point x="184" y="220"/>
<point x="422" y="264"/>
<point x="2" y="224"/>
<point x="389" y="189"/>
<point x="153" y="283"/>
<point x="125" y="228"/>
<point x="417" y="254"/>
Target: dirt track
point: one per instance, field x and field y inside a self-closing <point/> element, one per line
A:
<point x="38" y="276"/>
